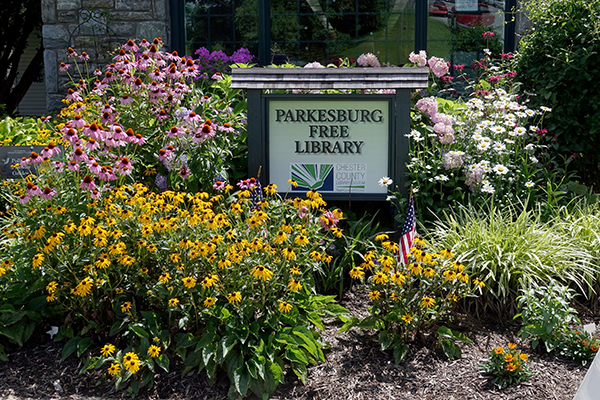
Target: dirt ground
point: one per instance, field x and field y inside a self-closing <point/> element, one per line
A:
<point x="356" y="368"/>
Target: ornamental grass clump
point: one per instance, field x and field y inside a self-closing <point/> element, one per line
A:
<point x="413" y="300"/>
<point x="224" y="282"/>
<point x="507" y="366"/>
<point x="511" y="249"/>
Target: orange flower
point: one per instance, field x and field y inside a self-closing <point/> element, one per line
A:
<point x="511" y="367"/>
<point x="498" y="350"/>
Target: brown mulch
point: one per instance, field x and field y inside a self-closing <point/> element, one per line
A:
<point x="356" y="368"/>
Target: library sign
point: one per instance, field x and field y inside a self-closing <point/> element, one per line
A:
<point x="338" y="144"/>
<point x="333" y="146"/>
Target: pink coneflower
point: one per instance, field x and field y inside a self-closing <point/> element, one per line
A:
<point x="206" y="131"/>
<point x="84" y="56"/>
<point x="174" y="132"/>
<point x="94" y="131"/>
<point x="96" y="194"/>
<point x="73" y="166"/>
<point x="71" y="52"/>
<point x="63" y="67"/>
<point x="144" y="43"/>
<point x="139" y="139"/>
<point x="205" y="99"/>
<point x="77" y="121"/>
<point x="217" y="76"/>
<point x="87" y="183"/>
<point x="219" y="185"/>
<point x="184" y="173"/>
<point x="107" y="174"/>
<point x="92" y="144"/>
<point x="95" y="168"/>
<point x="79" y="155"/>
<point x="108" y="77"/>
<point x="33" y="190"/>
<point x="124" y="166"/>
<point x="34" y="158"/>
<point x="126" y="99"/>
<point x="23" y="199"/>
<point x="73" y="95"/>
<point x="163" y="154"/>
<point x="157" y="75"/>
<point x="58" y="166"/>
<point x="47" y="193"/>
<point x="172" y="72"/>
<point x="117" y="132"/>
<point x="130" y="46"/>
<point x="226" y="128"/>
<point x="97" y="72"/>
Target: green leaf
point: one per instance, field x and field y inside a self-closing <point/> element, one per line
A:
<point x="3" y="356"/>
<point x="186" y="340"/>
<point x="191" y="361"/>
<point x="241" y="377"/>
<point x="83" y="345"/>
<point x="207" y="338"/>
<point x="336" y="309"/>
<point x="70" y="347"/>
<point x="314" y="318"/>
<point x="385" y="340"/>
<point x="117" y="327"/>
<point x="138" y="330"/>
<point x="208" y="353"/>
<point x="400" y="353"/>
<point x="295" y="354"/>
<point x="163" y="362"/>
<point x="352" y="322"/>
<point x="225" y="344"/>
<point x="451" y="350"/>
<point x="300" y="370"/>
<point x="369" y="322"/>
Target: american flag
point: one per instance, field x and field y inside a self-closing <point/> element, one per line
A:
<point x="409" y="231"/>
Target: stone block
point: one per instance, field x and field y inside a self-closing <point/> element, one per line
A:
<point x="92" y="23"/>
<point x="67" y="16"/>
<point x="51" y="71"/>
<point x="54" y="102"/>
<point x="151" y="30"/>
<point x="126" y="29"/>
<point x="131" y="16"/>
<point x="48" y="12"/>
<point x="133" y="5"/>
<point x="98" y="3"/>
<point x="66" y="5"/>
<point x="55" y="37"/>
<point x="160" y="10"/>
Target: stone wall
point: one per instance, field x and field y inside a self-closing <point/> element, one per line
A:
<point x="96" y="27"/>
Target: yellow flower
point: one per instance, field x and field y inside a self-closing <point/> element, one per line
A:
<point x="381" y="237"/>
<point x="374" y="295"/>
<point x="84" y="287"/>
<point x="429" y="272"/>
<point x="209" y="301"/>
<point x="415" y="268"/>
<point x="292" y="182"/>
<point x="394" y="296"/>
<point x="301" y="240"/>
<point x="126" y="306"/>
<point x="189" y="282"/>
<point x="380" y="278"/>
<point x="386" y="262"/>
<point x="288" y="253"/>
<point x="234" y="297"/>
<point x="51" y="287"/>
<point x="315" y="255"/>
<point x="107" y="350"/>
<point x="406" y="318"/>
<point x="224" y="264"/>
<point x="51" y="298"/>
<point x="294" y="285"/>
<point x="392" y="247"/>
<point x="508" y="357"/>
<point x="38" y="259"/>
<point x="398" y="278"/>
<point x="446" y="254"/>
<point x="114" y="369"/>
<point x="132" y="366"/>
<point x="153" y="351"/>
<point x="511" y="367"/>
<point x="271" y="189"/>
<point x="295" y="271"/>
<point x="512" y="345"/>
<point x="261" y="272"/>
<point x="284" y="306"/>
<point x="280" y="237"/>
<point x="427" y="302"/>
<point x="523" y="356"/>
<point x="337" y="232"/>
<point x="164" y="278"/>
<point x="173" y="302"/>
<point x="357" y="273"/>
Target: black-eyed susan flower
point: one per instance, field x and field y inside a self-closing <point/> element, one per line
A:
<point x="280" y="237"/>
<point x="415" y="268"/>
<point x="301" y="240"/>
<point x="284" y="306"/>
<point x="381" y="237"/>
<point x="107" y="350"/>
<point x="154" y="351"/>
<point x="173" y="302"/>
<point x="315" y="255"/>
<point x="84" y="287"/>
<point x="234" y="297"/>
<point x="288" y="253"/>
<point x="326" y="258"/>
<point x="292" y="182"/>
<point x="380" y="278"/>
<point x="114" y="369"/>
<point x="295" y="271"/>
<point x="398" y="278"/>
<point x="132" y="366"/>
<point x="294" y="284"/>
<point x="428" y="272"/>
<point x="209" y="301"/>
<point x="262" y="272"/>
<point x="126" y="306"/>
<point x="427" y="302"/>
<point x="406" y="318"/>
<point x="357" y="272"/>
<point x="37" y="261"/>
<point x="374" y="294"/>
<point x="164" y="278"/>
<point x="446" y="254"/>
<point x="223" y="264"/>
<point x="271" y="189"/>
<point x="189" y="282"/>
<point x="51" y="287"/>
<point x="209" y="281"/>
<point x="395" y="297"/>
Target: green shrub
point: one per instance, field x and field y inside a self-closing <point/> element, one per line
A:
<point x="558" y="63"/>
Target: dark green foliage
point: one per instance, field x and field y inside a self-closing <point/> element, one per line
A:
<point x="560" y="61"/>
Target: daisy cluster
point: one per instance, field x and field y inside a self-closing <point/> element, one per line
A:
<point x="490" y="142"/>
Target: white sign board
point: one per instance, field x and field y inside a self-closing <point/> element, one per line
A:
<point x="330" y="146"/>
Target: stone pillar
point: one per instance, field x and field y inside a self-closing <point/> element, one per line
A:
<point x="96" y="27"/>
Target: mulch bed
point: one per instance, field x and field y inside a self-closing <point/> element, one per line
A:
<point x="356" y="368"/>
